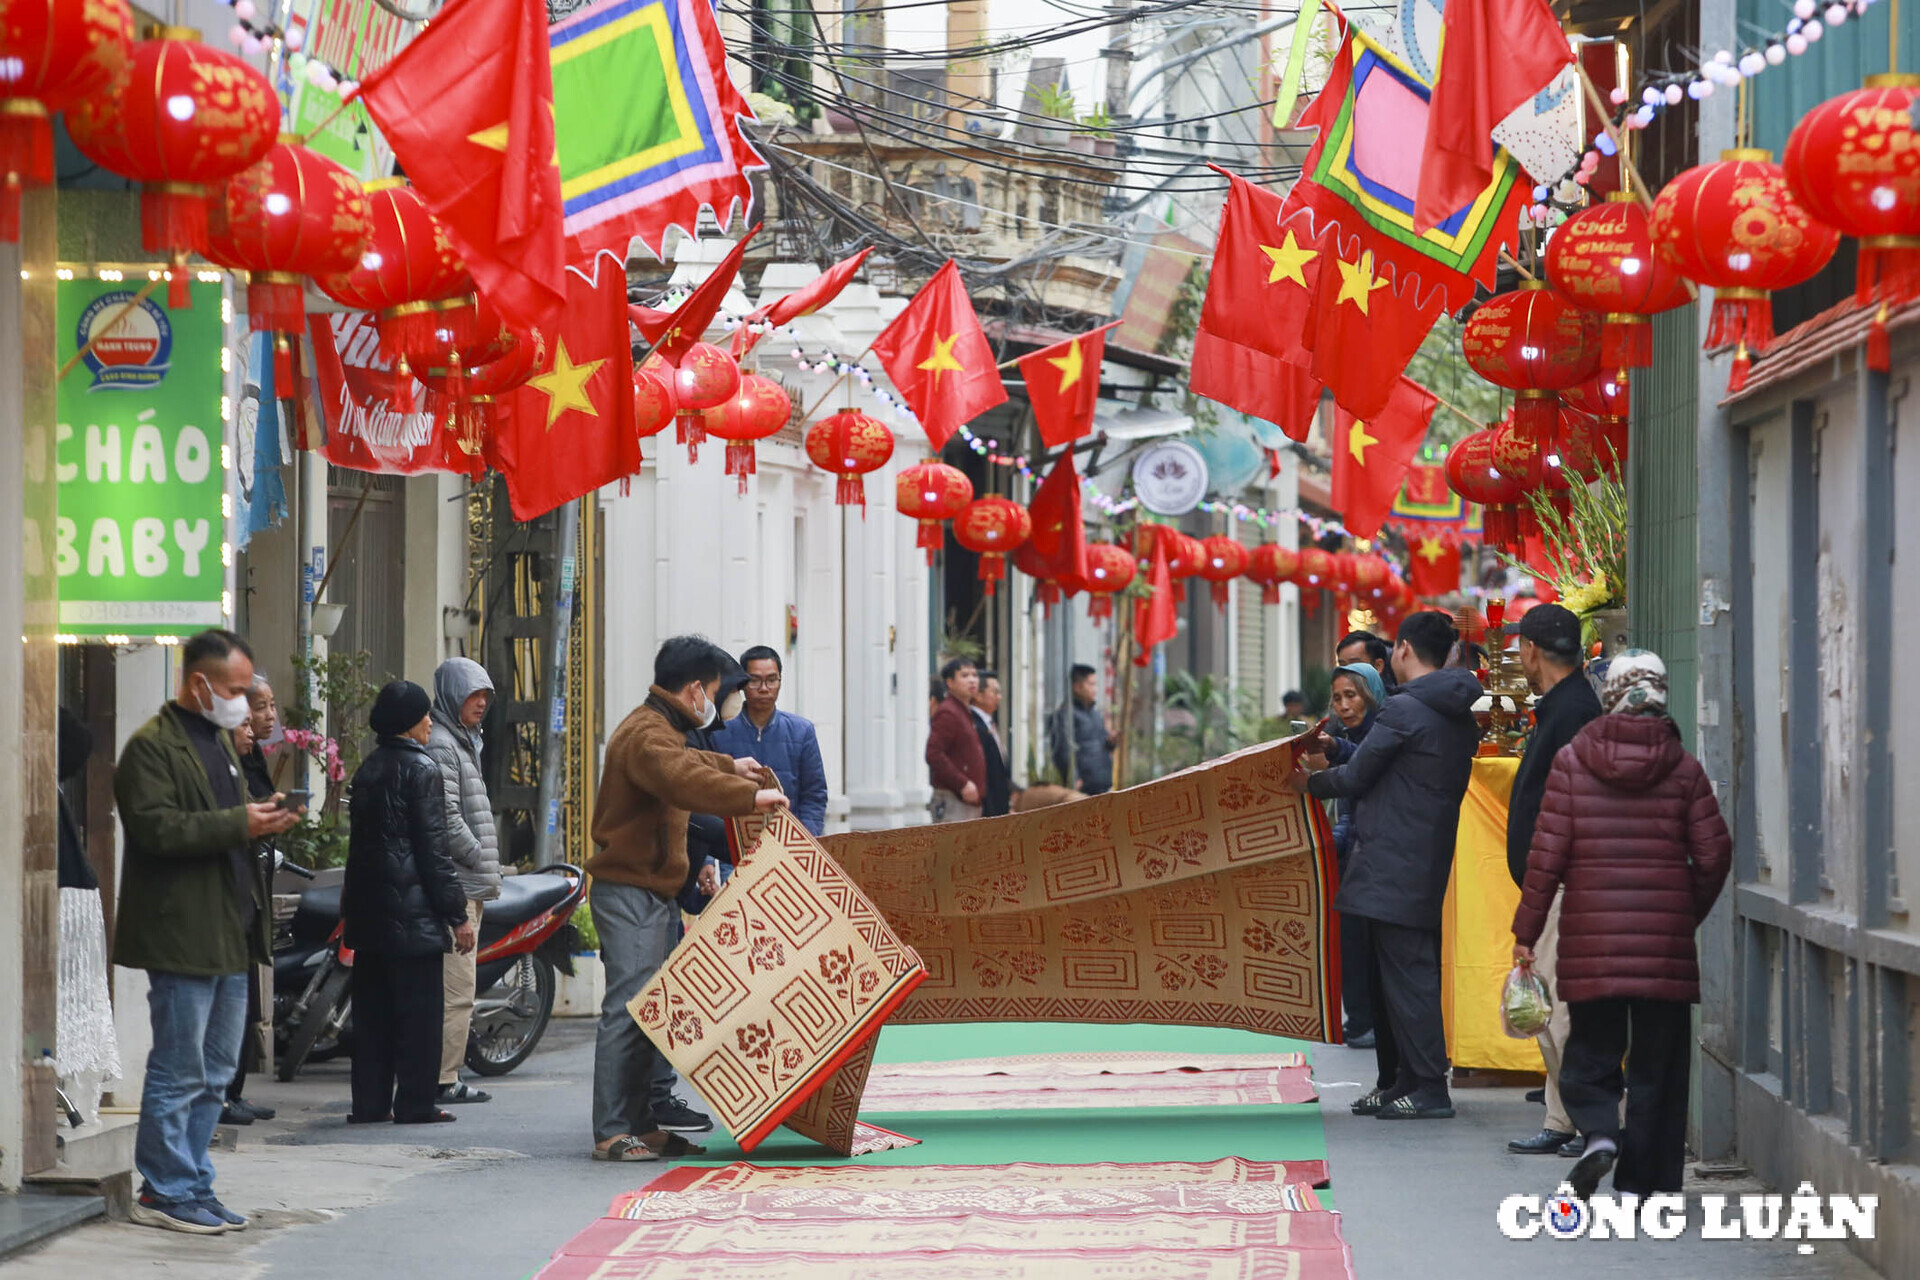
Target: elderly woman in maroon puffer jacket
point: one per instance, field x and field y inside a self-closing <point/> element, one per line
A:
<point x="1631" y="833"/>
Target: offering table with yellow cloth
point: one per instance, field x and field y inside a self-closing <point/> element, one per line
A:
<point x="1477" y="928"/>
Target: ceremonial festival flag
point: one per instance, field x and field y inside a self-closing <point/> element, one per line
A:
<point x="1063" y="384"/>
<point x="468" y="108"/>
<point x="1371" y="456"/>
<point x="673" y="333"/>
<point x="570" y="429"/>
<point x="939" y="359"/>
<point x="1153" y="616"/>
<point x="1494" y="56"/>
<point x="649" y="123"/>
<point x="1433" y="567"/>
<point x="1059" y="535"/>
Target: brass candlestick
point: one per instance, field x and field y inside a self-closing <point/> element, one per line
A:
<point x="1506" y="686"/>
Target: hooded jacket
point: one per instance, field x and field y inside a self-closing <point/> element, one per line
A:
<point x="473" y="842"/>
<point x="1631" y="830"/>
<point x="1409" y="777"/>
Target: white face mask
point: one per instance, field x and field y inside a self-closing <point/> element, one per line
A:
<point x="226" y="713"/>
<point x="712" y="712"/>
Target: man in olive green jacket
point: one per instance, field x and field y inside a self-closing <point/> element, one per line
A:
<point x="191" y="915"/>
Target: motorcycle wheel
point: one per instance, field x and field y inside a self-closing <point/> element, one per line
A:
<point x="324" y="1012"/>
<point x="510" y="1017"/>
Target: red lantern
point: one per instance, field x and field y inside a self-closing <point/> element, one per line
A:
<point x="1734" y="225"/>
<point x="930" y="493"/>
<point x="53" y="53"/>
<point x="292" y="215"/>
<point x="849" y="444"/>
<point x="1221" y="561"/>
<point x="1270" y="565"/>
<point x="1473" y="474"/>
<point x="482" y="371"/>
<point x="1316" y="569"/>
<point x="1184" y="554"/>
<point x="1853" y="162"/>
<point x="186" y="118"/>
<point x="1602" y="259"/>
<point x="653" y="406"/>
<point x="706" y="378"/>
<point x="992" y="527"/>
<point x="1371" y="575"/>
<point x="1535" y="343"/>
<point x="1607" y="401"/>
<point x="1027" y="560"/>
<point x="407" y="265"/>
<point x="760" y="408"/>
<point x="1109" y="571"/>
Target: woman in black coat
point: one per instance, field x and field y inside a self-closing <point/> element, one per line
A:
<point x="402" y="903"/>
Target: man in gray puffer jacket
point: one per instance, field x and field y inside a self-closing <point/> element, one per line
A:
<point x="462" y="689"/>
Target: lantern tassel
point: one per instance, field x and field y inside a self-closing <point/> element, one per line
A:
<point x="1535" y="414"/>
<point x="1220" y="595"/>
<point x="1742" y="365"/>
<point x="850" y="492"/>
<point x="10" y="208"/>
<point x="409" y="327"/>
<point x="1889" y="269"/>
<point x="1626" y="342"/>
<point x="992" y="569"/>
<point x="275" y="302"/>
<point x="1100" y="608"/>
<point x="1740" y="315"/>
<point x="173" y="220"/>
<point x="1879" y="345"/>
<point x="403" y="385"/>
<point x="1270" y="593"/>
<point x="932" y="537"/>
<point x="740" y="462"/>
<point x="26" y="151"/>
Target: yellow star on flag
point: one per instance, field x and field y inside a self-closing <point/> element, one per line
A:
<point x="1357" y="283"/>
<point x="493" y="139"/>
<point x="1069" y="364"/>
<point x="942" y="361"/>
<point x="1288" y="259"/>
<point x="1358" y="440"/>
<point x="1431" y="550"/>
<point x="565" y="385"/>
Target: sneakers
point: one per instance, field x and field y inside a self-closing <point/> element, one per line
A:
<point x="234" y="1221"/>
<point x="675" y="1116"/>
<point x="1544" y="1143"/>
<point x="192" y="1219"/>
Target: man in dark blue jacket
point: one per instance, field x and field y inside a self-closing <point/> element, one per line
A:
<point x="782" y="741"/>
<point x="1409" y="776"/>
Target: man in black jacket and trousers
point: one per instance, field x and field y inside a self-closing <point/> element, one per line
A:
<point x="1409" y="776"/>
<point x="1564" y="703"/>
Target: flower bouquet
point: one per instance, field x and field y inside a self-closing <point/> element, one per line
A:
<point x="1585" y="549"/>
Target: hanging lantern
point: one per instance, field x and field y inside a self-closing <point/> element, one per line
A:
<point x="849" y="444"/>
<point x="1270" y="565"/>
<point x="1345" y="567"/>
<point x="1853" y="162"/>
<point x="53" y="54"/>
<point x="1602" y="259"/>
<point x="186" y="118"/>
<point x="1735" y="226"/>
<point x="481" y="372"/>
<point x="1109" y="571"/>
<point x="1473" y="474"/>
<point x="1222" y="559"/>
<point x="1607" y="401"/>
<point x="653" y="406"/>
<point x="992" y="527"/>
<point x="930" y="493"/>
<point x="1536" y="344"/>
<point x="294" y="214"/>
<point x="1371" y="574"/>
<point x="1316" y="569"/>
<point x="1027" y="560"/>
<point x="760" y="408"/>
<point x="1184" y="554"/>
<point x="706" y="378"/>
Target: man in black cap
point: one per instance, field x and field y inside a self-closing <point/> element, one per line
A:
<point x="1563" y="703"/>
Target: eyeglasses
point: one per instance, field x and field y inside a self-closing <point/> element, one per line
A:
<point x="764" y="682"/>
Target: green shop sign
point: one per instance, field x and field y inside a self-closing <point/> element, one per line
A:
<point x="140" y="444"/>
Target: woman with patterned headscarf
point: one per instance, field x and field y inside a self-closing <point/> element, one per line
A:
<point x="1630" y="829"/>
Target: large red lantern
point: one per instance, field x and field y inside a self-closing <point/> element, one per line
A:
<point x="1600" y="410"/>
<point x="930" y="493"/>
<point x="1734" y="225"/>
<point x="760" y="408"/>
<point x="186" y="118"/>
<point x="849" y="444"/>
<point x="1602" y="259"/>
<point x="407" y="265"/>
<point x="1853" y="162"/>
<point x="1109" y="571"/>
<point x="1473" y="474"/>
<point x="1221" y="561"/>
<point x="1536" y="344"/>
<point x="1270" y="565"/>
<point x="53" y="54"/>
<point x="653" y="406"/>
<point x="1315" y="572"/>
<point x="482" y="371"/>
<point x="1371" y="576"/>
<point x="706" y="378"/>
<point x="294" y="214"/>
<point x="992" y="527"/>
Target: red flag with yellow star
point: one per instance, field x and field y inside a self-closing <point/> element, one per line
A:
<point x="1154" y="619"/>
<point x="1371" y="455"/>
<point x="674" y="332"/>
<point x="1059" y="537"/>
<point x="1063" y="383"/>
<point x="1261" y="288"/>
<point x="570" y="429"/>
<point x="1433" y="566"/>
<point x="468" y="108"/>
<point x="939" y="358"/>
<point x="1365" y="331"/>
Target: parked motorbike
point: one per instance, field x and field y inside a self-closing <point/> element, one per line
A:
<point x="525" y="934"/>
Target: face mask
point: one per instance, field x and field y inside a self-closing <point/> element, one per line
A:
<point x="735" y="701"/>
<point x="226" y="713"/>
<point x="712" y="712"/>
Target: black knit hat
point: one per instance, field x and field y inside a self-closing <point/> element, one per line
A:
<point x="400" y="706"/>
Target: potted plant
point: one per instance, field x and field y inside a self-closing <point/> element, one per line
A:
<point x="1055" y="102"/>
<point x="1586" y="552"/>
<point x="1097" y="125"/>
<point x="578" y="994"/>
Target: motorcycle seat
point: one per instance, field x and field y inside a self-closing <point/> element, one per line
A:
<point x="521" y="899"/>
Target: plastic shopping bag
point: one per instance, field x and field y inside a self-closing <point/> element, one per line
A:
<point x="1525" y="1005"/>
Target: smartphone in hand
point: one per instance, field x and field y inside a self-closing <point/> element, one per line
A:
<point x="295" y="800"/>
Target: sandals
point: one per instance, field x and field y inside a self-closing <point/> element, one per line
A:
<point x="1369" y="1104"/>
<point x="629" y="1149"/>
<point x="1408" y="1108"/>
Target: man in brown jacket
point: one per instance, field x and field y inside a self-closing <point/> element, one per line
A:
<point x="649" y="783"/>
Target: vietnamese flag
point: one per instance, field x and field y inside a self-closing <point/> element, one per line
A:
<point x="810" y="298"/>
<point x="1261" y="288"/>
<point x="673" y="333"/>
<point x="1434" y="567"/>
<point x="1059" y="537"/>
<point x="570" y="429"/>
<point x="1153" y="617"/>
<point x="1279" y="391"/>
<point x="468" y="108"/>
<point x="1063" y="383"/>
<point x="939" y="359"/>
<point x="1371" y="456"/>
<point x="1494" y="55"/>
<point x="1364" y="331"/>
